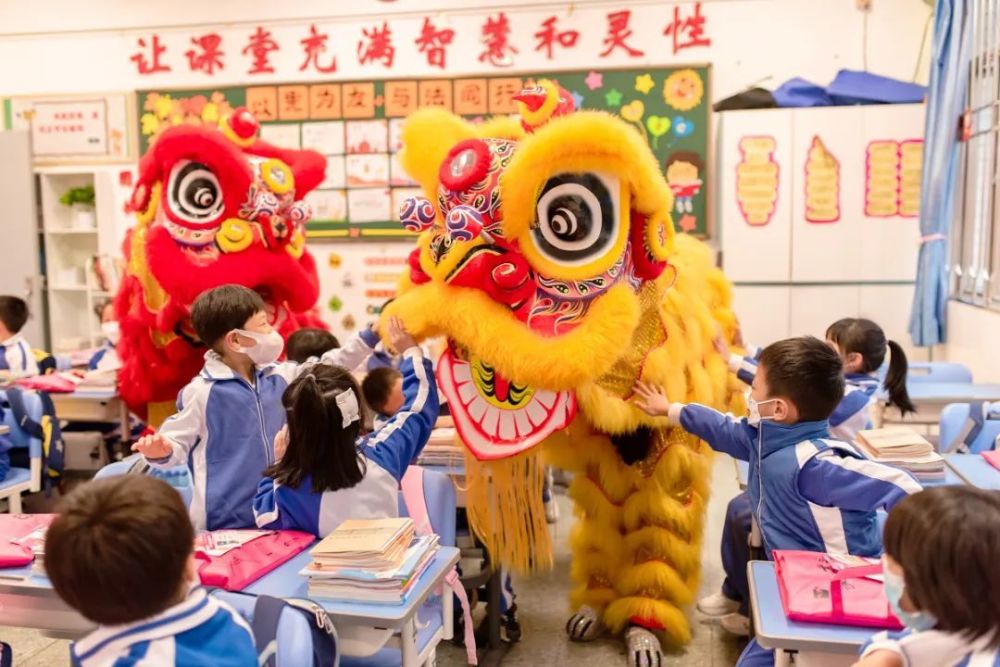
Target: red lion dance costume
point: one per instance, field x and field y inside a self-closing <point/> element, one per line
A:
<point x="213" y="206"/>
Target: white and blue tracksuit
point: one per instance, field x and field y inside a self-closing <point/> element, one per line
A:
<point x="934" y="648"/>
<point x="18" y="357"/>
<point x="105" y="359"/>
<point x="224" y="432"/>
<point x="199" y="632"/>
<point x="388" y="453"/>
<point x="851" y="415"/>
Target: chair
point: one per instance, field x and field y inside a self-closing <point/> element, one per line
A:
<point x="178" y="477"/>
<point x="294" y="640"/>
<point x="436" y="614"/>
<point x="953" y="419"/>
<point x="21" y="480"/>
<point x="933" y="371"/>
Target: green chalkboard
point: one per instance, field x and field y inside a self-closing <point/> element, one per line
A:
<point x="356" y="125"/>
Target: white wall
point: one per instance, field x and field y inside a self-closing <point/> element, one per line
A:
<point x="972" y="340"/>
<point x="76" y="46"/>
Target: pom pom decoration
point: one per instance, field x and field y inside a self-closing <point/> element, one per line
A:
<point x="416" y="214"/>
<point x="464" y="223"/>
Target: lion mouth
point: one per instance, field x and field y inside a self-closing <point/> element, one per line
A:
<point x="496" y="417"/>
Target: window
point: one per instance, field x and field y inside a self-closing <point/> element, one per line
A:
<point x="976" y="230"/>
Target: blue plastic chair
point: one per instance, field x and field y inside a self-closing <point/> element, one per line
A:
<point x="439" y="495"/>
<point x="953" y="418"/>
<point x="178" y="477"/>
<point x="294" y="639"/>
<point x="22" y="480"/>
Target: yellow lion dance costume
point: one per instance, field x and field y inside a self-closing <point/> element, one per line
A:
<point x="548" y="261"/>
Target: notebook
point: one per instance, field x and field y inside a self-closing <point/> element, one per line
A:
<point x="372" y="543"/>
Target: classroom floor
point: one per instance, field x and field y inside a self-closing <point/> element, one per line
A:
<point x="543" y="610"/>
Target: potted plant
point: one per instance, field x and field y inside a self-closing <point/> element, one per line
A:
<point x="81" y="200"/>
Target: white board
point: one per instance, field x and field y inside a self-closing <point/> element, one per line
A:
<point x="757" y="252"/>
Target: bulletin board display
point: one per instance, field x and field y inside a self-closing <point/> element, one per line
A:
<point x="357" y="126"/>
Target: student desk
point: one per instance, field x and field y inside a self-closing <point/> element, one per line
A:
<point x="930" y="398"/>
<point x="951" y="475"/>
<point x="359" y="622"/>
<point x="974" y="470"/>
<point x="814" y="643"/>
<point x="28" y="601"/>
<point x="93" y="406"/>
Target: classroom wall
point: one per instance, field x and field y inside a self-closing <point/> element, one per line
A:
<point x="972" y="340"/>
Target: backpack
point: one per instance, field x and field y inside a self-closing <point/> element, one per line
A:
<point x="979" y="413"/>
<point x="267" y="613"/>
<point x="46" y="429"/>
<point x="45" y="361"/>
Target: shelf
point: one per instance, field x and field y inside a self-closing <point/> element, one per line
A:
<point x="70" y="230"/>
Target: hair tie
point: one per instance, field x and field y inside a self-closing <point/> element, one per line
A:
<point x="349" y="409"/>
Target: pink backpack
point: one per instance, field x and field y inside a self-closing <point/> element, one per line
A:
<point x="238" y="568"/>
<point x="817" y="588"/>
<point x="18" y="535"/>
<point x="412" y="486"/>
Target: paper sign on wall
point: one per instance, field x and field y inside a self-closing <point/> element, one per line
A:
<point x="822" y="184"/>
<point x="77" y="127"/>
<point x="757" y="179"/>
<point x="892" y="178"/>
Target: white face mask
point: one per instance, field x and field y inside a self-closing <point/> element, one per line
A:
<point x="267" y="350"/>
<point x="111" y="332"/>
<point x="753" y="409"/>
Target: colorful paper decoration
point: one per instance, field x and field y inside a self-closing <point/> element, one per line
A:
<point x="822" y="184"/>
<point x="892" y="178"/>
<point x="757" y="179"/>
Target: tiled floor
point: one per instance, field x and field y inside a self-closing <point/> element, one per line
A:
<point x="542" y="601"/>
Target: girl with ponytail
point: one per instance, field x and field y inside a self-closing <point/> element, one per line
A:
<point x="327" y="468"/>
<point x="862" y="345"/>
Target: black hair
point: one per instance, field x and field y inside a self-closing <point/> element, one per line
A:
<point x="319" y="445"/>
<point x="947" y="542"/>
<point x="307" y="343"/>
<point x="377" y="386"/>
<point x="218" y="311"/>
<point x="807" y="372"/>
<point x="867" y="339"/>
<point x="13" y="313"/>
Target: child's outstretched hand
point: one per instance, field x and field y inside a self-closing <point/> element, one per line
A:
<point x="720" y="346"/>
<point x="281" y="443"/>
<point x="399" y="339"/>
<point x="651" y="400"/>
<point x="153" y="446"/>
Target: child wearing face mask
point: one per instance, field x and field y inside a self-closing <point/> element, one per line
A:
<point x="806" y="490"/>
<point x="228" y="415"/>
<point x="862" y="347"/>
<point x="941" y="578"/>
<point x="106" y="357"/>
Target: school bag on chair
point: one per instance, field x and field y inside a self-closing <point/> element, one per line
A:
<point x="287" y="632"/>
<point x="35" y="415"/>
<point x="983" y="416"/>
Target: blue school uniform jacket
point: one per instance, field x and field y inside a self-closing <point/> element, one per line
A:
<point x="851" y="415"/>
<point x="807" y="491"/>
<point x="18" y="357"/>
<point x="934" y="648"/>
<point x="388" y="452"/>
<point x="199" y="632"/>
<point x="224" y="432"/>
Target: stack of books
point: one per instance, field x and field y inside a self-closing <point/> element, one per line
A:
<point x="903" y="448"/>
<point x="375" y="561"/>
<point x="442" y="449"/>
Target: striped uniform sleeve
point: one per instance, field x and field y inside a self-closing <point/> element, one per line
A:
<point x="401" y="439"/>
<point x="831" y="480"/>
<point x="852" y="403"/>
<point x="184" y="429"/>
<point x="267" y="506"/>
<point x="744" y="367"/>
<point x="355" y="351"/>
<point x="29" y="366"/>
<point x="723" y="433"/>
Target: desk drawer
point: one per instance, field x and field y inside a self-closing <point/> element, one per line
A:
<point x="86" y="409"/>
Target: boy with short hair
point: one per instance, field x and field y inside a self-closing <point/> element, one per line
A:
<point x="17" y="357"/>
<point x="309" y="342"/>
<point x="121" y="552"/>
<point x="807" y="491"/>
<point x="228" y="415"/>
<point x="383" y="391"/>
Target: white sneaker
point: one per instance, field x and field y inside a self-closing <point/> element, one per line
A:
<point x="736" y="624"/>
<point x="717" y="605"/>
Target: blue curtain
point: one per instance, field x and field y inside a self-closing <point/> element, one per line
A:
<point x="945" y="102"/>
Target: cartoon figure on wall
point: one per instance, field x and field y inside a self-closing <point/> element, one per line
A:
<point x="683" y="169"/>
<point x="549" y="262"/>
<point x="213" y="205"/>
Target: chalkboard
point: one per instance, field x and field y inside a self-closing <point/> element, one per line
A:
<point x="356" y="124"/>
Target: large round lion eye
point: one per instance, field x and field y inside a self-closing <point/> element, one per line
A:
<point x="576" y="217"/>
<point x="195" y="195"/>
